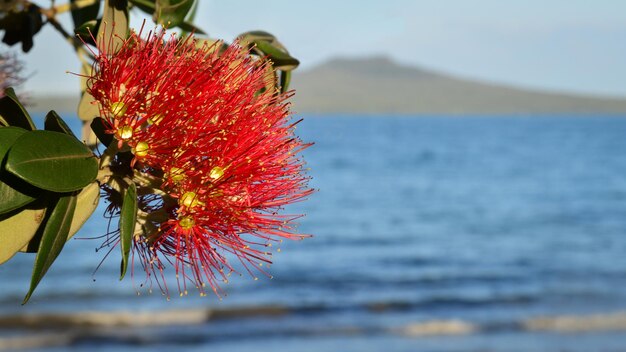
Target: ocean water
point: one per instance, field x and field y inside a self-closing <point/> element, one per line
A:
<point x="501" y="233"/>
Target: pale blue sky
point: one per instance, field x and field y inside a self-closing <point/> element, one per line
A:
<point x="576" y="46"/>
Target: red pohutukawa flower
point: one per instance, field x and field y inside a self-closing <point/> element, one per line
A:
<point x="214" y="155"/>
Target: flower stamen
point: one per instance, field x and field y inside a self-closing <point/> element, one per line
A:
<point x="187" y="222"/>
<point x="141" y="149"/>
<point x="190" y="200"/>
<point x="177" y="174"/>
<point x="156" y="119"/>
<point x="125" y="132"/>
<point x="118" y="109"/>
<point x="216" y="172"/>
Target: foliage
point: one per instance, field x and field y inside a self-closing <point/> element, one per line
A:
<point x="51" y="181"/>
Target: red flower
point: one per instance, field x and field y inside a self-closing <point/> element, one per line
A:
<point x="215" y="157"/>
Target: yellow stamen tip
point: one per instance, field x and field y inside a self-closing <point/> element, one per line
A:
<point x="156" y="119"/>
<point x="190" y="200"/>
<point x="216" y="172"/>
<point x="187" y="222"/>
<point x="118" y="109"/>
<point x="125" y="132"/>
<point x="141" y="149"/>
<point x="177" y="174"/>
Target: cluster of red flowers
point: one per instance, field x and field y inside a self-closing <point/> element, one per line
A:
<point x="215" y="157"/>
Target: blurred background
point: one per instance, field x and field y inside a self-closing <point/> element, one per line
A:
<point x="470" y="163"/>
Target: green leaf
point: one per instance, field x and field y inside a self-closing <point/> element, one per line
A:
<point x="86" y="31"/>
<point x="87" y="107"/>
<point x="189" y="27"/>
<point x="21" y="24"/>
<point x="8" y="136"/>
<point x="18" y="228"/>
<point x="252" y="37"/>
<point x="171" y="13"/>
<point x="15" y="193"/>
<point x="86" y="204"/>
<point x="147" y="6"/>
<point x="54" y="122"/>
<point x="97" y="126"/>
<point x="285" y="79"/>
<point x="114" y="26"/>
<point x="191" y="15"/>
<point x="265" y="44"/>
<point x="52" y="161"/>
<point x="53" y="239"/>
<point x="281" y="59"/>
<point x="248" y="38"/>
<point x="13" y="112"/>
<point x="128" y="218"/>
<point x="84" y="14"/>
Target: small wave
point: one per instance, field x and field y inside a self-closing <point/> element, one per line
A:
<point x="32" y="341"/>
<point x="65" y="329"/>
<point x="447" y="302"/>
<point x="104" y="319"/>
<point x="578" y="323"/>
<point x="135" y="319"/>
<point x="452" y="301"/>
<point x="560" y="324"/>
<point x="437" y="328"/>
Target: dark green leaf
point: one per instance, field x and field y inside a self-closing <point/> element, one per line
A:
<point x="54" y="122"/>
<point x="15" y="193"/>
<point x="17" y="228"/>
<point x="13" y="112"/>
<point x="190" y="28"/>
<point x="281" y="59"/>
<point x="8" y="136"/>
<point x="22" y="26"/>
<point x="53" y="239"/>
<point x="265" y="44"/>
<point x="187" y="25"/>
<point x="171" y="13"/>
<point x="87" y="30"/>
<point x="52" y="161"/>
<point x="97" y="126"/>
<point x="128" y="218"/>
<point x="147" y="6"/>
<point x="248" y="38"/>
<point x="285" y="79"/>
<point x="86" y="204"/>
<point x="11" y="199"/>
<point x="84" y="14"/>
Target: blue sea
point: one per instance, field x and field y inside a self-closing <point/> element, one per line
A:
<point x="431" y="233"/>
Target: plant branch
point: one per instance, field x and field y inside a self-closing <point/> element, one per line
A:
<point x="108" y="155"/>
<point x="50" y="15"/>
<point x="79" y="4"/>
